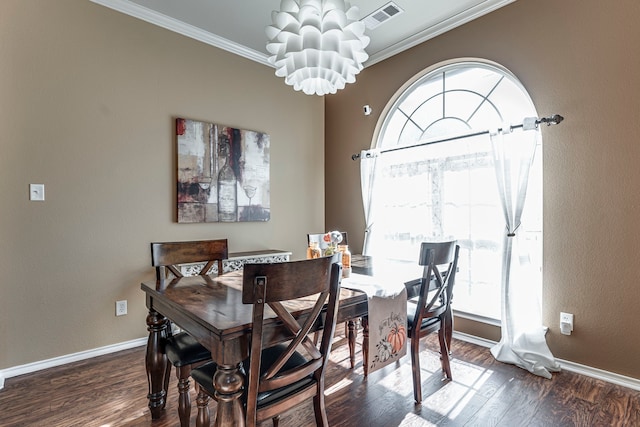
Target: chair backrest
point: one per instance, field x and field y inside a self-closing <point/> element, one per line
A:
<point x="440" y="262"/>
<point x="168" y="256"/>
<point x="317" y="281"/>
<point x="318" y="237"/>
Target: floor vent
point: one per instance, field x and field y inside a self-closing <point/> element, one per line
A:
<point x="381" y="15"/>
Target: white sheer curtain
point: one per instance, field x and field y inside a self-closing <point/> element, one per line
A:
<point x="523" y="336"/>
<point x="368" y="160"/>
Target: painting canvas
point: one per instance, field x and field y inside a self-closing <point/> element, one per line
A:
<point x="223" y="173"/>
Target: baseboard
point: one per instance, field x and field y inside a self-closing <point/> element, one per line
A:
<point x="482" y="342"/>
<point x="62" y="360"/>
<point x="610" y="377"/>
<point x="600" y="374"/>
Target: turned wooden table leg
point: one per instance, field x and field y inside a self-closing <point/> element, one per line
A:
<point x="365" y="345"/>
<point x="352" y="334"/>
<point x="202" y="419"/>
<point x="228" y="382"/>
<point x="184" y="400"/>
<point x="156" y="363"/>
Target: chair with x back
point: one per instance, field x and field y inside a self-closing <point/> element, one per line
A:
<point x="429" y="305"/>
<point x="303" y="295"/>
<point x="182" y="350"/>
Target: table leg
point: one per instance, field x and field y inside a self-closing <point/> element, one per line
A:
<point x="156" y="363"/>
<point x="228" y="382"/>
<point x="365" y="345"/>
<point x="202" y="419"/>
<point x="351" y="339"/>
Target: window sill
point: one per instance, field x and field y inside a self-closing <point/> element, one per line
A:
<point x="477" y="318"/>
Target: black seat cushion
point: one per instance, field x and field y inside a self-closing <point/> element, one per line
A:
<point x="204" y="375"/>
<point x="426" y="323"/>
<point x="182" y="349"/>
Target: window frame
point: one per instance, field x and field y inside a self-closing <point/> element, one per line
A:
<point x="406" y="90"/>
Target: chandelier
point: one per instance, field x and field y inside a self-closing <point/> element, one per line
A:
<point x="317" y="45"/>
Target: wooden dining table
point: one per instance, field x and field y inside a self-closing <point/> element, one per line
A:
<point x="210" y="309"/>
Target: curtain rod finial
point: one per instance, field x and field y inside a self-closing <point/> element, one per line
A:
<point x="553" y="120"/>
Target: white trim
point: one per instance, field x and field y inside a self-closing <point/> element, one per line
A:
<point x="482" y="342"/>
<point x="600" y="374"/>
<point x="62" y="360"/>
<point x="440" y="28"/>
<point x="164" y="21"/>
<point x="621" y="380"/>
<point x="477" y="318"/>
<point x="137" y="11"/>
<point x="610" y="377"/>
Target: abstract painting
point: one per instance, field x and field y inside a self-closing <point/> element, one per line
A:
<point x="223" y="173"/>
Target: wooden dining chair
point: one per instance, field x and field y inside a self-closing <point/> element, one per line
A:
<point x="181" y="349"/>
<point x="281" y="377"/>
<point x="429" y="305"/>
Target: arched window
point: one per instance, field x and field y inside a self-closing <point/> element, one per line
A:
<point x="436" y="178"/>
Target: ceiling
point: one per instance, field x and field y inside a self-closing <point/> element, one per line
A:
<point x="238" y="26"/>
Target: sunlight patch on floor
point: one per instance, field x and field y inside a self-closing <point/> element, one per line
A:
<point x="451" y="399"/>
<point x="443" y="400"/>
<point x="399" y="380"/>
<point x="345" y="382"/>
<point x="469" y="374"/>
<point x="413" y="420"/>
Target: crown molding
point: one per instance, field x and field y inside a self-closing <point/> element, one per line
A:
<point x="440" y="28"/>
<point x="135" y="10"/>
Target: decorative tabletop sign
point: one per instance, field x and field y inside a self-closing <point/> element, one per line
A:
<point x="223" y="173"/>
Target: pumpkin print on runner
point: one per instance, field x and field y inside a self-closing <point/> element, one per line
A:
<point x="397" y="337"/>
<point x="394" y="334"/>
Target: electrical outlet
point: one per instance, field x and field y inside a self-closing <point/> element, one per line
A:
<point x="121" y="308"/>
<point x="566" y="323"/>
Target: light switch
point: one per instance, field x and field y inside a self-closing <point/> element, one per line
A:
<point x="36" y="192"/>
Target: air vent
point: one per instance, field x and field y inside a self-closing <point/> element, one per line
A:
<point x="381" y="15"/>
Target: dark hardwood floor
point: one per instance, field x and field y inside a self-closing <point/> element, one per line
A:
<point x="111" y="390"/>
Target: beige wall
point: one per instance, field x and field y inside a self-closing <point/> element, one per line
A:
<point x="578" y="58"/>
<point x="88" y="98"/>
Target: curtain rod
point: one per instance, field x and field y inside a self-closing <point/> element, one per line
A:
<point x="527" y="124"/>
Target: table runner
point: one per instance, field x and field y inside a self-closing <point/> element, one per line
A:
<point x="387" y="299"/>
